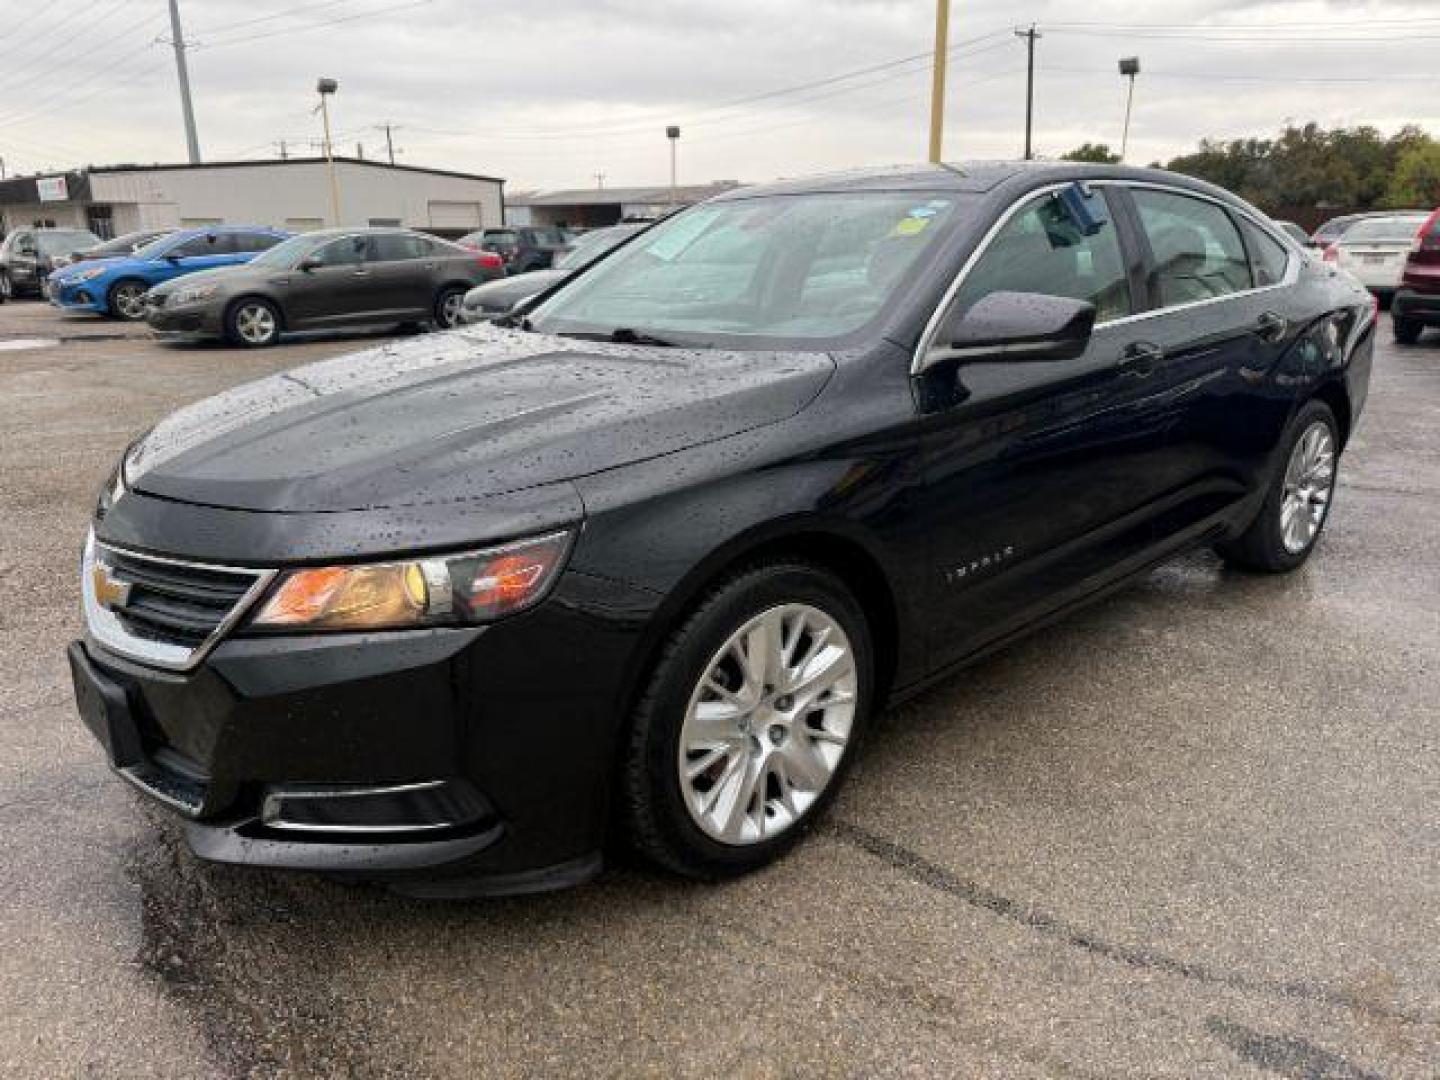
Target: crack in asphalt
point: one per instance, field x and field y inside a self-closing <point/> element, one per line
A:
<point x="922" y="870"/>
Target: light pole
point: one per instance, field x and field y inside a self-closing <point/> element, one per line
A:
<point x="673" y="134"/>
<point x="326" y="87"/>
<point x="1129" y="68"/>
<point x="187" y="108"/>
<point x="937" y="79"/>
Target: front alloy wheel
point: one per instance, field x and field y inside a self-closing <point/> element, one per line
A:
<point x="750" y="719"/>
<point x="767" y="724"/>
<point x="127" y="301"/>
<point x="254" y="324"/>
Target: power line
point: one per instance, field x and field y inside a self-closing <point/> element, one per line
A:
<point x="388" y="10"/>
<point x="20" y="75"/>
<point x="74" y="14"/>
<point x="307" y="9"/>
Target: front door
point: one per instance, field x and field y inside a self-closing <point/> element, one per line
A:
<point x="335" y="289"/>
<point x="402" y="268"/>
<point x="1042" y="478"/>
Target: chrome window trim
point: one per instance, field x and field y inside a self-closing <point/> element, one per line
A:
<point x="106" y="629"/>
<point x="918" y="365"/>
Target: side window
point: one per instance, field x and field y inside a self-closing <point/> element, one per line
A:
<point x="1268" y="257"/>
<point x="250" y="243"/>
<point x="204" y="244"/>
<point x="1042" y="250"/>
<point x="1198" y="254"/>
<point x="396" y="247"/>
<point x="346" y="251"/>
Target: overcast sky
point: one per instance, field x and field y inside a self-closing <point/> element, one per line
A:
<point x="547" y="93"/>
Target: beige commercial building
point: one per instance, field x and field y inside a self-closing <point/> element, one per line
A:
<point x="293" y="194"/>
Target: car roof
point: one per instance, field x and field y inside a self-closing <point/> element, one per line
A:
<point x="974" y="177"/>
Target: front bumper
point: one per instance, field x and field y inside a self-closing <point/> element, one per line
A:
<point x="448" y="761"/>
<point x="204" y="320"/>
<point x="82" y="296"/>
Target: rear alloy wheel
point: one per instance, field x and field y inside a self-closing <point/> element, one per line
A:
<point x="253" y="324"/>
<point x="126" y="300"/>
<point x="1407" y="331"/>
<point x="448" y="306"/>
<point x="749" y="723"/>
<point x="1298" y="502"/>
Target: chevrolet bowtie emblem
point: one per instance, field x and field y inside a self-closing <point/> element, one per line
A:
<point x="110" y="592"/>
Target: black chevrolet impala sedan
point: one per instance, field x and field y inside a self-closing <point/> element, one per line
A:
<point x="641" y="565"/>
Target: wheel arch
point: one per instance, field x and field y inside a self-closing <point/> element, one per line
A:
<point x="826" y="544"/>
<point x="124" y="279"/>
<point x="1334" y="394"/>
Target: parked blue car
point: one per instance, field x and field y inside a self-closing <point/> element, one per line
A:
<point x="117" y="287"/>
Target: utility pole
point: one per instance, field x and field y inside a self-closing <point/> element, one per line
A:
<point x="389" y="142"/>
<point x="937" y="81"/>
<point x="1029" y="36"/>
<point x="1129" y="68"/>
<point x="284" y="151"/>
<point x="599" y="180"/>
<point x="177" y="39"/>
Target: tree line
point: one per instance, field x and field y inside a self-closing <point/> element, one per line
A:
<point x="1355" y="168"/>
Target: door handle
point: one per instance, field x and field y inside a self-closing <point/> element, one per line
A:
<point x="1271" y="327"/>
<point x="361" y="273"/>
<point x="1140" y="358"/>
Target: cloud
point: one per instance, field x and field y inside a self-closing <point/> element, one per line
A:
<point x="550" y="92"/>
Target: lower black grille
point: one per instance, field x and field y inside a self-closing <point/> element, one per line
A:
<point x="176" y="603"/>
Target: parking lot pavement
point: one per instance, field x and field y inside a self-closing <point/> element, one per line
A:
<point x="1193" y="831"/>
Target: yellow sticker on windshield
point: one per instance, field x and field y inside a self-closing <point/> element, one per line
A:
<point x="911" y="226"/>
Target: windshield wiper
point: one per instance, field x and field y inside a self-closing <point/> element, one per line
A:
<point x="628" y="335"/>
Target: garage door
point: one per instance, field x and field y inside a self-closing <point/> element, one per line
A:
<point x="456" y="215"/>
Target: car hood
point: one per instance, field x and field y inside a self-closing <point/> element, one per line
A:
<point x="188" y="281"/>
<point x="509" y="291"/>
<point x="87" y="265"/>
<point x="468" y="414"/>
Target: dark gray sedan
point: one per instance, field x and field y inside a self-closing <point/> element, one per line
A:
<point x="321" y="280"/>
<point x="490" y="301"/>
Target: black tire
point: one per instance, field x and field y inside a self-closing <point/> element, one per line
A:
<point x="655" y="818"/>
<point x="1261" y="547"/>
<point x="449" y="302"/>
<point x="7" y="288"/>
<point x="126" y="300"/>
<point x="252" y="322"/>
<point x="1407" y="331"/>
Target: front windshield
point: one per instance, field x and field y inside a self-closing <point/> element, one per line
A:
<point x="286" y="254"/>
<point x="64" y="241"/>
<point x="806" y="267"/>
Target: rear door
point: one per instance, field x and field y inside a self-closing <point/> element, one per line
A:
<point x="1223" y="315"/>
<point x="1042" y="478"/>
<point x="334" y="292"/>
<point x="401" y="267"/>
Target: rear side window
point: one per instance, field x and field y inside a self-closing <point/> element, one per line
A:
<point x="1198" y="253"/>
<point x="249" y="243"/>
<point x="1268" y="257"/>
<point x="1042" y="250"/>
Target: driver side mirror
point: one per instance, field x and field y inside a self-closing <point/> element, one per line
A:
<point x="309" y="263"/>
<point x="1014" y="327"/>
<point x="27" y="249"/>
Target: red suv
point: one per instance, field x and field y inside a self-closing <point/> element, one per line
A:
<point x="1417" y="301"/>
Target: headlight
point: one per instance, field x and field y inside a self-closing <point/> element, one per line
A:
<point x="86" y="275"/>
<point x="444" y="590"/>
<point x="190" y="294"/>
